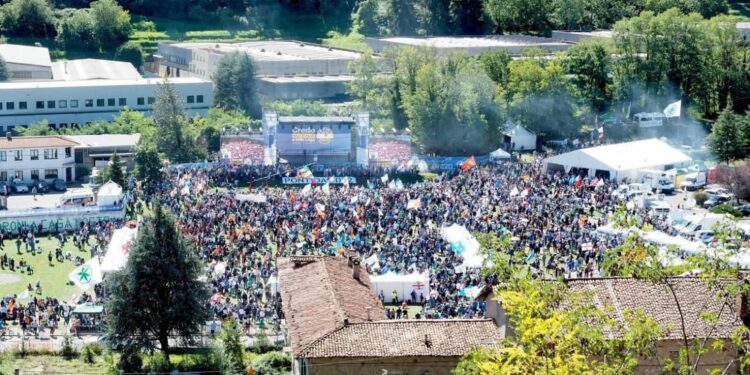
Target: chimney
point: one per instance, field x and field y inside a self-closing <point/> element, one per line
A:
<point x="368" y="309"/>
<point x="355" y="269"/>
<point x="9" y="136"/>
<point x="427" y="341"/>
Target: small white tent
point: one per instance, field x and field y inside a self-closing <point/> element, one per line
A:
<point x="499" y="154"/>
<point x="402" y="284"/>
<point x="520" y="138"/>
<point x="109" y="194"/>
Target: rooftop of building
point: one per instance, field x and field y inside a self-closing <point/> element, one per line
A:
<point x="106" y="140"/>
<point x="334" y="119"/>
<point x="35" y="142"/>
<point x="25" y="55"/>
<point x="92" y="69"/>
<point x="276" y="50"/>
<point x="96" y="83"/>
<point x="487" y="41"/>
<point x="406" y="338"/>
<point x="590" y="34"/>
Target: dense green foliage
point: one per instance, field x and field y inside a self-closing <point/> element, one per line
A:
<point x="232" y="349"/>
<point x="170" y="120"/>
<point x="148" y="165"/>
<point x="158" y="294"/>
<point x="28" y="18"/>
<point x="113" y="172"/>
<point x="235" y="86"/>
<point x="272" y="363"/>
<point x="730" y="137"/>
<point x="3" y="70"/>
<point x="131" y="53"/>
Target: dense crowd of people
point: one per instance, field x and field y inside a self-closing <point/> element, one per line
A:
<point x="551" y="218"/>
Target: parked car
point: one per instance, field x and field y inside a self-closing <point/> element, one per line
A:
<point x="715" y="200"/>
<point x="745" y="208"/>
<point x="20" y="186"/>
<point x="59" y="185"/>
<point x="5" y="188"/>
<point x="705" y="236"/>
<point x="41" y="186"/>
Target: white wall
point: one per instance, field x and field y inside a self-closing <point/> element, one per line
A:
<point x="20" y="72"/>
<point x="10" y="166"/>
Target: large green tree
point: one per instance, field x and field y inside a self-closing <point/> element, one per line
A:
<point x="235" y="85"/>
<point x="111" y="23"/>
<point x="729" y="138"/>
<point x="513" y="16"/>
<point x="148" y="164"/>
<point x="158" y="294"/>
<point x="170" y="121"/>
<point x="76" y="31"/>
<point x="131" y="53"/>
<point x="3" y="70"/>
<point x="114" y="172"/>
<point x="589" y="62"/>
<point x="28" y="18"/>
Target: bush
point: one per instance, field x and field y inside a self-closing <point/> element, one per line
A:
<point x="272" y="363"/>
<point x="87" y="354"/>
<point x="247" y="34"/>
<point x="726" y="209"/>
<point x="130" y="360"/>
<point x="148" y="35"/>
<point x="208" y="34"/>
<point x="700" y="198"/>
<point x="68" y="351"/>
<point x="131" y="53"/>
<point x="144" y="25"/>
<point x="157" y="363"/>
<point x="261" y="344"/>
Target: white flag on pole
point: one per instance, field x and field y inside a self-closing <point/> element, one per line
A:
<point x="673" y="110"/>
<point x="87" y="275"/>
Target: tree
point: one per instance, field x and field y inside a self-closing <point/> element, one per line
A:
<point x="131" y="53"/>
<point x="400" y="16"/>
<point x="298" y="107"/>
<point x="3" y="70"/>
<point x="77" y="31"/>
<point x="114" y="171"/>
<point x="495" y="64"/>
<point x="28" y="18"/>
<point x="148" y="165"/>
<point x="111" y="23"/>
<point x="728" y="140"/>
<point x="158" y="294"/>
<point x="513" y="16"/>
<point x="233" y="351"/>
<point x="235" y="86"/>
<point x="736" y="178"/>
<point x="272" y="363"/>
<point x="365" y="86"/>
<point x="169" y="118"/>
<point x="589" y="62"/>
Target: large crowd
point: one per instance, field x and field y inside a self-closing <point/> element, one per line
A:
<point x="550" y="218"/>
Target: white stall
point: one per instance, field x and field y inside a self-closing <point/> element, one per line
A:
<point x="402" y="284"/>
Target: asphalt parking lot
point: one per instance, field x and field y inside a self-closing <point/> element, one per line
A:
<point x="25" y="201"/>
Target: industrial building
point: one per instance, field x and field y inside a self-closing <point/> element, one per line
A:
<point x="577" y="36"/>
<point x="286" y="69"/>
<point x="77" y="92"/>
<point x="471" y="45"/>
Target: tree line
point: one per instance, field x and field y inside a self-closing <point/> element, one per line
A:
<point x="652" y="60"/>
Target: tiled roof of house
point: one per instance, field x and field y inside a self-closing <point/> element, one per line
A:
<point x="320" y="293"/>
<point x="35" y="142"/>
<point x="405" y="338"/>
<point x="618" y="295"/>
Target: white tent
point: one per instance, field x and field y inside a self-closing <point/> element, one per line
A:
<point x="118" y="250"/>
<point x="402" y="284"/>
<point x="621" y="160"/>
<point x="499" y="154"/>
<point x="520" y="138"/>
<point x="109" y="194"/>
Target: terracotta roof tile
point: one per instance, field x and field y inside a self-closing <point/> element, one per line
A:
<point x="405" y="338"/>
<point x="694" y="295"/>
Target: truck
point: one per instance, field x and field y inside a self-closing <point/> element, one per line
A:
<point x="658" y="181"/>
<point x="697" y="222"/>
<point x="694" y="181"/>
<point x="649" y="119"/>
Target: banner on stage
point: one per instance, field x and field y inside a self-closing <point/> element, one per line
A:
<point x="317" y="180"/>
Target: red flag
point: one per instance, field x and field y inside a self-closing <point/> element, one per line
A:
<point x="579" y="181"/>
<point x="468" y="164"/>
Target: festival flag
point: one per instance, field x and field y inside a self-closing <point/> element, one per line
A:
<point x="673" y="110"/>
<point x="345" y="181"/>
<point x="399" y="184"/>
<point x="594" y="182"/>
<point x="414" y="204"/>
<point x="601" y="132"/>
<point x="327" y="188"/>
<point x="468" y="164"/>
<point x="304" y="172"/>
<point x="392" y="185"/>
<point x="579" y="181"/>
<point x="384" y="179"/>
<point x="87" y="275"/>
<point x="514" y="192"/>
<point x="306" y="190"/>
<point x="321" y="208"/>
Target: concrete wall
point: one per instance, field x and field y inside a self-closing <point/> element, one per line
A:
<point x="383" y="366"/>
<point x="20" y="72"/>
<point x="270" y="91"/>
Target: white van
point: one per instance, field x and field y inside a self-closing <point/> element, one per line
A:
<point x="80" y="197"/>
<point x="649" y="119"/>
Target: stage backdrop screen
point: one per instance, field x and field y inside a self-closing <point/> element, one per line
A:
<point x="311" y="138"/>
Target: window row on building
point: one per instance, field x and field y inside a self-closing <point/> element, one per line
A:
<point x="18" y="155"/>
<point x="48" y="174"/>
<point x="88" y="103"/>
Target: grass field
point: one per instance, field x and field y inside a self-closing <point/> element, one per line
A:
<point x="54" y="279"/>
<point x="50" y="364"/>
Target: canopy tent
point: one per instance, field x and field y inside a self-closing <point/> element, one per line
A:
<point x="109" y="194"/>
<point x="520" y="138"/>
<point x="499" y="154"/>
<point x="118" y="249"/>
<point x="402" y="284"/>
<point x="621" y="160"/>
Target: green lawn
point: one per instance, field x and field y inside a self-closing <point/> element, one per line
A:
<point x="54" y="279"/>
<point x="50" y="364"/>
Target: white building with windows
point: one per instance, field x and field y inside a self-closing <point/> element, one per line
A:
<point x="35" y="158"/>
<point x="76" y="103"/>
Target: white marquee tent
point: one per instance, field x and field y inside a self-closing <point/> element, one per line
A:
<point x="621" y="160"/>
<point x="499" y="154"/>
<point x="520" y="138"/>
<point x="402" y="284"/>
<point x="109" y="194"/>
